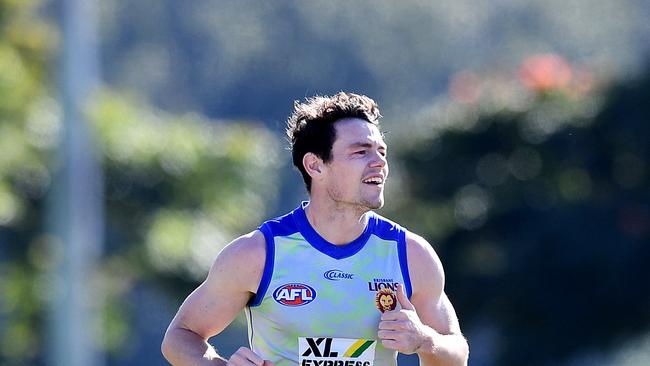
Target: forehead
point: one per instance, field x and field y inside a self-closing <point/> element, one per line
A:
<point x="356" y="130"/>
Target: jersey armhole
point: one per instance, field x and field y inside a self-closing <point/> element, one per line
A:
<point x="268" y="266"/>
<point x="403" y="261"/>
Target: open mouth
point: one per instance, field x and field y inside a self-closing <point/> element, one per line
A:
<point x="375" y="181"/>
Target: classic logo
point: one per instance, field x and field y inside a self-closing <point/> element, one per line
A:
<point x="336" y="352"/>
<point x="386" y="300"/>
<point x="294" y="294"/>
<point x="336" y="275"/>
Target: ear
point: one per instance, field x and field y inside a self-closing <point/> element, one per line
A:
<point x="313" y="165"/>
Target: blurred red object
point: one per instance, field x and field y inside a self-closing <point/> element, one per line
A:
<point x="465" y="87"/>
<point x="545" y="72"/>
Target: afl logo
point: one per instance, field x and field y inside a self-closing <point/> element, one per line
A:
<point x="294" y="294"/>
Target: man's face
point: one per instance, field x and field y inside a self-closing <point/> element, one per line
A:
<point x="358" y="169"/>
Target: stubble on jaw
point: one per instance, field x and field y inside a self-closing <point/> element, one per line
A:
<point x="360" y="206"/>
<point x="375" y="206"/>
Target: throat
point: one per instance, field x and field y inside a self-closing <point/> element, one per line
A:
<point x="336" y="227"/>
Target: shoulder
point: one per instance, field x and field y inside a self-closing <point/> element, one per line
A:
<point x="242" y="260"/>
<point x="227" y="289"/>
<point x="246" y="246"/>
<point x="425" y="267"/>
<point x="421" y="257"/>
<point x="386" y="228"/>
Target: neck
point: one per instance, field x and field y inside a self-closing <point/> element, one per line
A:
<point x="338" y="224"/>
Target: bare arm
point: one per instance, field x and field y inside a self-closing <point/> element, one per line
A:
<point x="427" y="323"/>
<point x="444" y="343"/>
<point x="232" y="280"/>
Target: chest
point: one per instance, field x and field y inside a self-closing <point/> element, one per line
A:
<point x="312" y="294"/>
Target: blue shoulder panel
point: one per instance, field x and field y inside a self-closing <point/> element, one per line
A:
<point x="403" y="262"/>
<point x="386" y="229"/>
<point x="281" y="226"/>
<point x="389" y="230"/>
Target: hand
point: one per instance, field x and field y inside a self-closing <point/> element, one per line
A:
<point x="402" y="330"/>
<point x="246" y="357"/>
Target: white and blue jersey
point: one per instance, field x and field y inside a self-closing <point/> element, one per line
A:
<point x="319" y="304"/>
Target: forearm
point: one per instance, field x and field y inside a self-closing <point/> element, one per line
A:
<point x="182" y="347"/>
<point x="443" y="350"/>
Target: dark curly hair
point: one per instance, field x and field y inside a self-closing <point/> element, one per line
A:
<point x="310" y="127"/>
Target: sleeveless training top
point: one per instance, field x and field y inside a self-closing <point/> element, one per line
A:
<point x="319" y="304"/>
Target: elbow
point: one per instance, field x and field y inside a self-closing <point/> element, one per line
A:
<point x="166" y="346"/>
<point x="464" y="352"/>
<point x="460" y="353"/>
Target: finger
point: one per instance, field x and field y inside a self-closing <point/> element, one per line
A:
<point x="396" y="325"/>
<point x="386" y="325"/>
<point x="254" y="358"/>
<point x="390" y="344"/>
<point x="237" y="360"/>
<point x="249" y="355"/>
<point x="403" y="300"/>
<point x="393" y="315"/>
<point x="387" y="334"/>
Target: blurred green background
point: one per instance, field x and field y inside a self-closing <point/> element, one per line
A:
<point x="519" y="135"/>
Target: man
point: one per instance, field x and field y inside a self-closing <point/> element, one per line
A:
<point x="321" y="284"/>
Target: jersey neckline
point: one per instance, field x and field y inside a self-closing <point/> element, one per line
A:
<point x="324" y="246"/>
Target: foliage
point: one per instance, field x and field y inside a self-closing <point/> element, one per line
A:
<point x="26" y="42"/>
<point x="190" y="184"/>
<point x="178" y="188"/>
<point x="535" y="194"/>
<point x="242" y="58"/>
<point x="533" y="190"/>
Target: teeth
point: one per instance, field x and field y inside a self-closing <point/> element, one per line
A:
<point x="373" y="180"/>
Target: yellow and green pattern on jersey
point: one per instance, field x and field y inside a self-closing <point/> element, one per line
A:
<point x="358" y="348"/>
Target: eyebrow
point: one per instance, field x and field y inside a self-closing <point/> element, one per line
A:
<point x="365" y="145"/>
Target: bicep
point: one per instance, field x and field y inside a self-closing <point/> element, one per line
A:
<point x="428" y="280"/>
<point x="233" y="278"/>
<point x="210" y="309"/>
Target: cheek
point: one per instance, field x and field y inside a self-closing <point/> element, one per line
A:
<point x="350" y="172"/>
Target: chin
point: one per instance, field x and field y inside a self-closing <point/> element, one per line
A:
<point x="375" y="204"/>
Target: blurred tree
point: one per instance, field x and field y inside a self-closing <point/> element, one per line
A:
<point x="178" y="189"/>
<point x="243" y="58"/>
<point x="27" y="130"/>
<point x="535" y="193"/>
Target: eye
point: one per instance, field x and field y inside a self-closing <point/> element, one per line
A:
<point x="360" y="152"/>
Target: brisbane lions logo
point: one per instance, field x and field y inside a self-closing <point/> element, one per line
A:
<point x="385" y="300"/>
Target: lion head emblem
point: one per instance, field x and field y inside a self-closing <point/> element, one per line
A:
<point x="385" y="300"/>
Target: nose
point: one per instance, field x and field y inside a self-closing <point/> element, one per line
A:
<point x="378" y="160"/>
